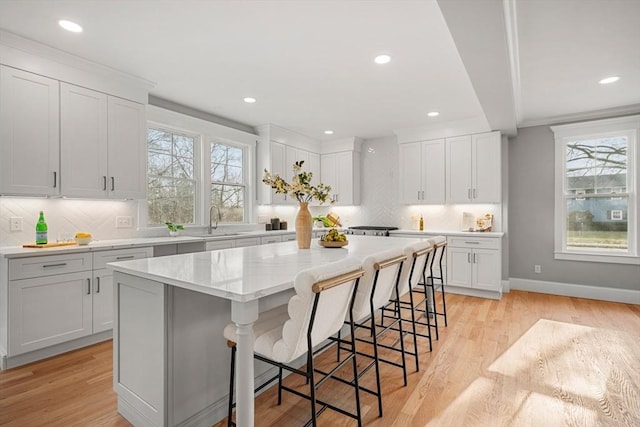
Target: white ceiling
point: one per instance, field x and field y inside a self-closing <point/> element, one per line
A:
<point x="310" y="63"/>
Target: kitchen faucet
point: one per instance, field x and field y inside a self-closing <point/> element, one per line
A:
<point x="211" y="228"/>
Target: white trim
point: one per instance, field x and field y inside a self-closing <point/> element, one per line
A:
<point x="603" y="293"/>
<point x="597" y="257"/>
<point x="563" y="134"/>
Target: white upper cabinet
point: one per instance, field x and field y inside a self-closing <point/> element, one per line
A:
<point x="103" y="145"/>
<point x="83" y="131"/>
<point x="474" y="168"/>
<point x="127" y="133"/>
<point x="29" y="134"/>
<point x="341" y="171"/>
<point x="422" y="172"/>
<point x="278" y="149"/>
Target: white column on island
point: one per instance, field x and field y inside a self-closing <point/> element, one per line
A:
<point x="244" y="314"/>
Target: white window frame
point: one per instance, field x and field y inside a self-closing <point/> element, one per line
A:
<point x="628" y="126"/>
<point x="207" y="131"/>
<point x="197" y="166"/>
<point x="245" y="176"/>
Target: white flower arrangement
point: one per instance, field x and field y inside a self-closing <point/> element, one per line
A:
<point x="300" y="188"/>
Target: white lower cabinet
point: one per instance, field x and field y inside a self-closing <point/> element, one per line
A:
<point x="48" y="310"/>
<point x="474" y="262"/>
<point x="59" y="298"/>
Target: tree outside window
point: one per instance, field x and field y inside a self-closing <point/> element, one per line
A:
<point x="228" y="181"/>
<point x="595" y="186"/>
<point x="171" y="177"/>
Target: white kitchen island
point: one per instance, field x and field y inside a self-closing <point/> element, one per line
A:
<point x="171" y="362"/>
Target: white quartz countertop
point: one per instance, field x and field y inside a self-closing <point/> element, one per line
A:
<point x="418" y="233"/>
<point x="101" y="245"/>
<point x="249" y="273"/>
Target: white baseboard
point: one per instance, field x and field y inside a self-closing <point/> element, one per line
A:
<point x="627" y="296"/>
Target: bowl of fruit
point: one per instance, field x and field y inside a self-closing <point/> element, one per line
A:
<point x="83" y="238"/>
<point x="333" y="239"/>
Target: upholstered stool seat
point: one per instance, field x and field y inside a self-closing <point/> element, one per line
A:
<point x="324" y="298"/>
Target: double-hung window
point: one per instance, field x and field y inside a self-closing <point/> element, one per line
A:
<point x="596" y="204"/>
<point x="228" y="181"/>
<point x="171" y="195"/>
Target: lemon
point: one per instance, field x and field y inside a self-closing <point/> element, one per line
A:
<point x="82" y="234"/>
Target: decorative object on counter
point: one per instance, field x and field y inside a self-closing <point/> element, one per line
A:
<point x="304" y="192"/>
<point x="333" y="239"/>
<point x="421" y="223"/>
<point x="174" y="229"/>
<point x="331" y="220"/>
<point x="267" y="227"/>
<point x="283" y="225"/>
<point x="83" y="238"/>
<point x="471" y="223"/>
<point x="275" y="224"/>
<point x="41" y="230"/>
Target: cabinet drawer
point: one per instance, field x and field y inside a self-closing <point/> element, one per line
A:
<point x="37" y="266"/>
<point x="474" y="242"/>
<point x="100" y="259"/>
<point x="270" y="239"/>
<point x="251" y="241"/>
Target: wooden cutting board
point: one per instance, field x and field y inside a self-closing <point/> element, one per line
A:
<point x="48" y="245"/>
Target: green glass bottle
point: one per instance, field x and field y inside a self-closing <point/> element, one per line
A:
<point x="41" y="230"/>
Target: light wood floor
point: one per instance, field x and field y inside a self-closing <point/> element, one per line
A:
<point x="477" y="374"/>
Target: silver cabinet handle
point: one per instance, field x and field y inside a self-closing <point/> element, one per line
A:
<point x="98" y="285"/>
<point x="88" y="286"/>
<point x="104" y="182"/>
<point x="120" y="258"/>
<point x="474" y="193"/>
<point x="472" y="243"/>
<point x="475" y="258"/>
<point x="418" y="194"/>
<point x="469" y="193"/>
<point x="55" y="179"/>
<point x="113" y="183"/>
<point x="62" y="264"/>
<point x="469" y="257"/>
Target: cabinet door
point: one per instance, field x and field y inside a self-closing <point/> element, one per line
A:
<point x="102" y="300"/>
<point x="278" y="163"/>
<point x="345" y="178"/>
<point x="486" y="170"/>
<point x="459" y="169"/>
<point x="29" y="134"/>
<point x="486" y="269"/>
<point x="459" y="266"/>
<point x="83" y="130"/>
<point x="433" y="177"/>
<point x="127" y="161"/>
<point x="410" y="173"/>
<point x="328" y="173"/>
<point x="49" y="310"/>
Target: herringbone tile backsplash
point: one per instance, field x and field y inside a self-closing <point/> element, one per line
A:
<point x="62" y="215"/>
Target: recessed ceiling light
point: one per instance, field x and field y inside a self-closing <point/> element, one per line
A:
<point x="433" y="114"/>
<point x="249" y="100"/>
<point x="608" y="80"/>
<point x="70" y="26"/>
<point x="328" y="132"/>
<point x="382" y="59"/>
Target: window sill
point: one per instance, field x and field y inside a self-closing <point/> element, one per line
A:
<point x="587" y="257"/>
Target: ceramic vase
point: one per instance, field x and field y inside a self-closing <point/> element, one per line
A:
<point x="304" y="224"/>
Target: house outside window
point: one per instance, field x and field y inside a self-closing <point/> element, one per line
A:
<point x="228" y="181"/>
<point x="596" y="190"/>
<point x="171" y="195"/>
